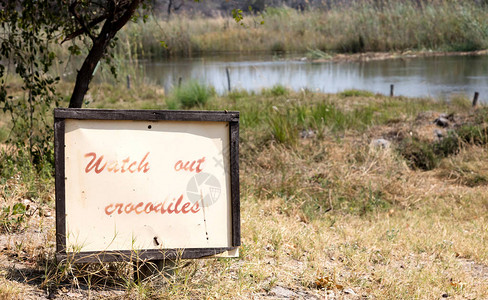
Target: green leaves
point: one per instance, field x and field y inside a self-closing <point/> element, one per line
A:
<point x="163" y="44"/>
<point x="13" y="218"/>
<point x="18" y="209"/>
<point x="30" y="27"/>
<point x="74" y="50"/>
<point x="237" y="15"/>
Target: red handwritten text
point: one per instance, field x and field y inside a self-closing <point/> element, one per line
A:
<point x="98" y="165"/>
<point x="149" y="207"/>
<point x="189" y="165"/>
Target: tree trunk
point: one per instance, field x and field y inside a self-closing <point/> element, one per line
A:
<point x="100" y="44"/>
<point x="85" y="74"/>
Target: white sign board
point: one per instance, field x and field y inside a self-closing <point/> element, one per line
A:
<point x="156" y="181"/>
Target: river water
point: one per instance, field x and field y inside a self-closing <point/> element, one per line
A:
<point x="415" y="77"/>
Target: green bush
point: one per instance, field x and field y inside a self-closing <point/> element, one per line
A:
<point x="190" y="94"/>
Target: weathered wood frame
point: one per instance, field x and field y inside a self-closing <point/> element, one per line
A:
<point x="61" y="114"/>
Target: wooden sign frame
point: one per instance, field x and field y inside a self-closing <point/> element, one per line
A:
<point x="61" y="115"/>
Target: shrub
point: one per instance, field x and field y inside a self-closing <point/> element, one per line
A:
<point x="471" y="134"/>
<point x="419" y="154"/>
<point x="426" y="155"/>
<point x="189" y="95"/>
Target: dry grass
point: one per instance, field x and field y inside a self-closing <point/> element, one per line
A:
<point x="329" y="216"/>
<point x="360" y="27"/>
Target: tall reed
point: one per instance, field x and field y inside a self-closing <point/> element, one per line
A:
<point x="396" y="25"/>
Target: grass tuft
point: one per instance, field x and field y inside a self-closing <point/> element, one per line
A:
<point x="283" y="126"/>
<point x="276" y="90"/>
<point x="356" y="93"/>
<point x="190" y="94"/>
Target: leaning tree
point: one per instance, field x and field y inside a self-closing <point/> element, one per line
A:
<point x="31" y="27"/>
<point x="30" y="31"/>
<point x="97" y="21"/>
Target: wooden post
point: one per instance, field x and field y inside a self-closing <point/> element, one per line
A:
<point x="128" y="82"/>
<point x="179" y="82"/>
<point x="228" y="79"/>
<point x="392" y="90"/>
<point x="475" y="98"/>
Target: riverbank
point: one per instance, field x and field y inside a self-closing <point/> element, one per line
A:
<point x="344" y="195"/>
<point x="320" y="56"/>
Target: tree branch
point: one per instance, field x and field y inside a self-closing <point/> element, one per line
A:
<point x="179" y="6"/>
<point x="80" y="31"/>
<point x="129" y="11"/>
<point x="84" y="28"/>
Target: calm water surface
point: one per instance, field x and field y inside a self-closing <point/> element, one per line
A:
<point x="432" y="76"/>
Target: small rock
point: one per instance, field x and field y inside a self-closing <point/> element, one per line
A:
<point x="441" y="122"/>
<point x="45" y="213"/>
<point x="281" y="292"/>
<point x="27" y="201"/>
<point x="445" y="295"/>
<point x="74" y="295"/>
<point x="381" y="143"/>
<point x="449" y="117"/>
<point x="438" y="134"/>
<point x="307" y="134"/>
<point x="29" y="207"/>
<point x="350" y="292"/>
<point x="118" y="293"/>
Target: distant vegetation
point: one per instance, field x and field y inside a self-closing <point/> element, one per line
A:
<point x="358" y="26"/>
